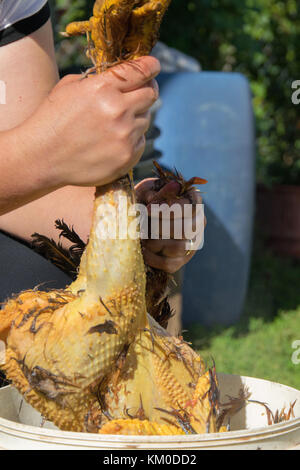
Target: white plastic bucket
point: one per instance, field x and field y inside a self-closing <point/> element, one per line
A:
<point x="20" y="425"/>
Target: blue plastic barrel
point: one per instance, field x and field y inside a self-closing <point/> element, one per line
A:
<point x="208" y="130"/>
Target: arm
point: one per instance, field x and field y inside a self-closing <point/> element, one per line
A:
<point x="29" y="69"/>
<point x="53" y="148"/>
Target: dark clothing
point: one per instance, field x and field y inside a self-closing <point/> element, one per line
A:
<point x="25" y="27"/>
<point x="21" y="269"/>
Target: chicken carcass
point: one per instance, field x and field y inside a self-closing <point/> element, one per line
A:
<point x="90" y="358"/>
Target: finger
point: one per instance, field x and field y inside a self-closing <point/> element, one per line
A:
<point x="67" y="79"/>
<point x="137" y="135"/>
<point x="169" y="195"/>
<point x="195" y="196"/>
<point x="145" y="190"/>
<point x="171" y="200"/>
<point x="169" y="265"/>
<point x="175" y="224"/>
<point x="168" y="248"/>
<point x="143" y="98"/>
<point x="188" y="210"/>
<point x="142" y="122"/>
<point x="134" y="74"/>
<point x="139" y="148"/>
<point x="177" y="230"/>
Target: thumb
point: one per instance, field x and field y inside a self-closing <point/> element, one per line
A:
<point x="68" y="79"/>
<point x="134" y="74"/>
<point x="145" y="190"/>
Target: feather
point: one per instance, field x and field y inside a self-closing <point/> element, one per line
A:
<point x="78" y="247"/>
<point x="156" y="296"/>
<point x="55" y="253"/>
<point x="67" y="260"/>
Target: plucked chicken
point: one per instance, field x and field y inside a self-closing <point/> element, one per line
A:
<point x="90" y="358"/>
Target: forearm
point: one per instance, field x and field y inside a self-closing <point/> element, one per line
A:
<point x="24" y="176"/>
<point x="72" y="204"/>
<point x="29" y="71"/>
<point x="30" y="201"/>
<point x="80" y="133"/>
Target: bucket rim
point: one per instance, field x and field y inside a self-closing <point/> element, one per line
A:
<point x="74" y="438"/>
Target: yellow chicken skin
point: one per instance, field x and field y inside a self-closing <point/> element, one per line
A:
<point x="61" y="344"/>
<point x="90" y="358"/>
<point x="120" y="30"/>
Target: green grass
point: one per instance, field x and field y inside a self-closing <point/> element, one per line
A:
<point x="260" y="345"/>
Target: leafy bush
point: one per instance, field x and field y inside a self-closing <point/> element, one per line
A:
<point x="259" y="38"/>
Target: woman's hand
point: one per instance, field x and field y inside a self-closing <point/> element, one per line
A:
<point x="87" y="132"/>
<point x="171" y="255"/>
<point x="91" y="131"/>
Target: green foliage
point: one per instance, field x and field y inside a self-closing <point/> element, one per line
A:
<point x="259" y="38"/>
<point x="70" y="53"/>
<point x="265" y="352"/>
<point x="260" y="344"/>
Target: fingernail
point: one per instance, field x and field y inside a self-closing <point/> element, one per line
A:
<point x="155" y="88"/>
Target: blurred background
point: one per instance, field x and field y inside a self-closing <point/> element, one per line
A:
<point x="260" y="40"/>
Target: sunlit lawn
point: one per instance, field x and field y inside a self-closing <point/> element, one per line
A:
<point x="260" y="345"/>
